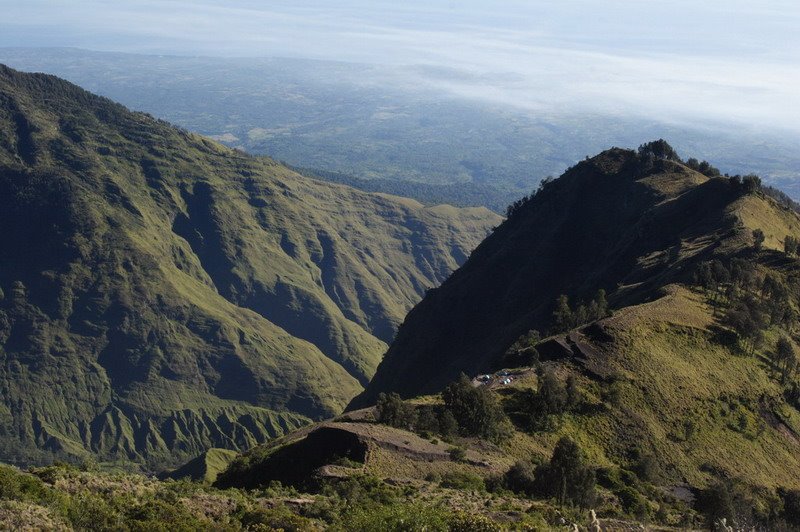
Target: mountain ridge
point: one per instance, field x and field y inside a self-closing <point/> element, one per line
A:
<point x="165" y="274"/>
<point x="651" y="222"/>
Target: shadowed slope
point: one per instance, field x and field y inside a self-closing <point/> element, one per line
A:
<point x="610" y="222"/>
<point x="165" y="294"/>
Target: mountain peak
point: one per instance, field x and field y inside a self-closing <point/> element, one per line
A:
<point x="628" y="222"/>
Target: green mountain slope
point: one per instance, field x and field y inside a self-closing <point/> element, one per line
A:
<point x="665" y="413"/>
<point x="164" y="294"/>
<point x="204" y="468"/>
<point x="681" y="404"/>
<point x="613" y="222"/>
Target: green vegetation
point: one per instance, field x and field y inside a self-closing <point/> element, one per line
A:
<point x="392" y="410"/>
<point x="565" y="318"/>
<point x="476" y="410"/>
<point x="567" y="477"/>
<point x="185" y="300"/>
<point x="691" y="382"/>
<point x="466" y="410"/>
<point x="204" y="468"/>
<point x="164" y="295"/>
<point x="648" y="213"/>
<point x="542" y="409"/>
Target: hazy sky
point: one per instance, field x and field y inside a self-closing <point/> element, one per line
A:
<point x="725" y="61"/>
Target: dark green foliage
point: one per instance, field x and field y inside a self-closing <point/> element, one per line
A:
<point x="647" y="468"/>
<point x="462" y="481"/>
<point x="427" y="420"/>
<point x="704" y="167"/>
<point x="20" y="486"/>
<point x="627" y="488"/>
<point x="748" y="320"/>
<point x="564" y="318"/>
<point x="448" y="425"/>
<point x="633" y="502"/>
<point x="751" y="183"/>
<point x="523" y="350"/>
<point x="785" y="359"/>
<point x="457" y="454"/>
<point x="713" y="276"/>
<point x="566" y="477"/>
<point x="612" y="394"/>
<point x="362" y="490"/>
<point x="164" y="294"/>
<point x="162" y="515"/>
<point x="278" y="518"/>
<point x="574" y="393"/>
<point x="758" y="239"/>
<point x="88" y="511"/>
<point x="689" y="428"/>
<point x="551" y="399"/>
<point x="435" y="420"/>
<point x="720" y="502"/>
<point x="393" y="411"/>
<point x="476" y="410"/>
<point x="658" y="149"/>
<point x="791" y="506"/>
<point x="521" y="478"/>
<point x="790" y="245"/>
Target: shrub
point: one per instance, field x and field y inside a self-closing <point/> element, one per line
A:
<point x="736" y="503"/>
<point x="393" y="411"/>
<point x="551" y="399"/>
<point x="448" y="426"/>
<point x="566" y="477"/>
<point x="396" y="517"/>
<point x="88" y="511"/>
<point x="758" y="239"/>
<point x="647" y="468"/>
<point x="658" y="149"/>
<point x="278" y="518"/>
<point x="468" y="522"/>
<point x="791" y="506"/>
<point x="633" y="502"/>
<point x="457" y="454"/>
<point x="476" y="410"/>
<point x="16" y="485"/>
<point x="362" y="490"/>
<point x="613" y="393"/>
<point x="521" y="478"/>
<point x="159" y="515"/>
<point x="427" y="420"/>
<point x="462" y="481"/>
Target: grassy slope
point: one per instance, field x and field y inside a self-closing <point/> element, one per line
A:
<point x="658" y="379"/>
<point x="668" y="367"/>
<point x="179" y="295"/>
<point x="604" y="224"/>
<point x="204" y="468"/>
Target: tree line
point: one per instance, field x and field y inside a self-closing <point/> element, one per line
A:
<point x="750" y="302"/>
<point x="565" y="317"/>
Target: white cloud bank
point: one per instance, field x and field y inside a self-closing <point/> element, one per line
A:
<point x="724" y="61"/>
